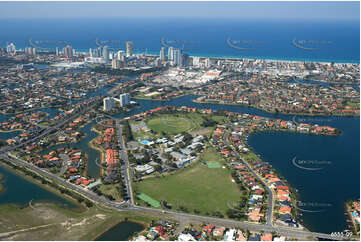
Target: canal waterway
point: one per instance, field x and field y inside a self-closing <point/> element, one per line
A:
<point x="120" y="232"/>
<point x="21" y="191"/>
<point x="83" y="145"/>
<point x="336" y="183"/>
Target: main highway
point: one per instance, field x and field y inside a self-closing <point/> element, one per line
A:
<point x="123" y="206"/>
<point x="129" y="205"/>
<point x="126" y="166"/>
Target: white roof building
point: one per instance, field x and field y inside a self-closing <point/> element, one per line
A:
<point x="185" y="237"/>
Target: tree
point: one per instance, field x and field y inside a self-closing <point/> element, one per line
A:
<point x="89" y="204"/>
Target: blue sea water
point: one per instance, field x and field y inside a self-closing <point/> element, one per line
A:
<point x="336" y="41"/>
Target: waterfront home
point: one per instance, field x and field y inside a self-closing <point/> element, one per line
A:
<point x="284" y="210"/>
<point x="283" y="195"/>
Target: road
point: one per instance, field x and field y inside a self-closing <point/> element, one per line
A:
<point x="124" y="206"/>
<point x="83" y="191"/>
<point x="54" y="128"/>
<point x="270" y="199"/>
<point x="286" y="231"/>
<point x="64" y="166"/>
<point x="126" y="167"/>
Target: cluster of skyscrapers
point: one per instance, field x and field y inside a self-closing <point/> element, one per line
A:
<point x="67" y="51"/>
<point x="174" y="56"/>
<point x="103" y="55"/>
<point x="30" y="51"/>
<point x="109" y="102"/>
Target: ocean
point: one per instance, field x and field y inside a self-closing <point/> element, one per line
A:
<point x="302" y="40"/>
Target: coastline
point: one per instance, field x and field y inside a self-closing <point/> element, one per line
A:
<point x="238" y="57"/>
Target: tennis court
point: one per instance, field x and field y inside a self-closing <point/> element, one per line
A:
<point x="213" y="164"/>
<point x="147" y="199"/>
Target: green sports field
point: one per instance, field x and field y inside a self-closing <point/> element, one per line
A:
<point x="212" y="164"/>
<point x="149" y="200"/>
<point x="197" y="187"/>
<point x="171" y="123"/>
<point x="179" y="122"/>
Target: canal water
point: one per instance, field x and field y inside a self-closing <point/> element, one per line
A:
<point x="8" y="135"/>
<point x="120" y="232"/>
<point x="20" y="191"/>
<point x="322" y="193"/>
<point x="325" y="190"/>
<point x="330" y="187"/>
<point x="93" y="170"/>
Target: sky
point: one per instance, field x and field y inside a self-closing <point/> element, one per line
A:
<point x="236" y="10"/>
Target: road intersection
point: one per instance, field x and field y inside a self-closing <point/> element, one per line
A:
<point x="128" y="205"/>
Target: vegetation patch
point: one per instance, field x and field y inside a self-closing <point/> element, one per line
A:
<point x="196" y="189"/>
<point x="47" y="221"/>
